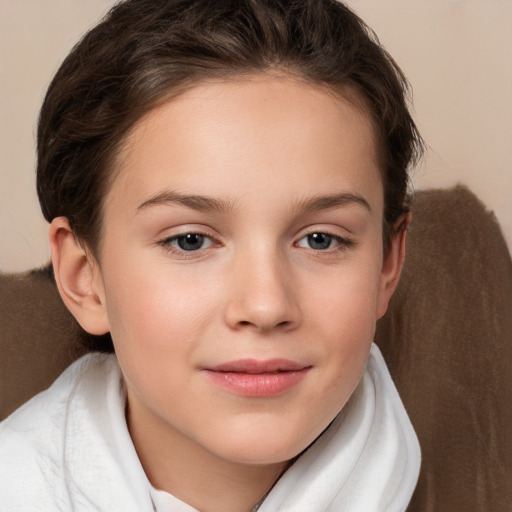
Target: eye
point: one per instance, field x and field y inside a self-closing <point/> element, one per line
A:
<point x="322" y="241"/>
<point x="188" y="242"/>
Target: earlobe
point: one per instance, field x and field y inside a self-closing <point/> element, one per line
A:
<point x="78" y="278"/>
<point x="392" y="264"/>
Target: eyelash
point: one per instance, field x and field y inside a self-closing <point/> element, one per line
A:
<point x="166" y="243"/>
<point x="342" y="243"/>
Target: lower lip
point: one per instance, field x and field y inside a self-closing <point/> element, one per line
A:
<point x="258" y="385"/>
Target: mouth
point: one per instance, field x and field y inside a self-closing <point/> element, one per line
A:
<point x="258" y="379"/>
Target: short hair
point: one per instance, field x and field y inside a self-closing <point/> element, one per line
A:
<point x="145" y="51"/>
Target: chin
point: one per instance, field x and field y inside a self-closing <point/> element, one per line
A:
<point x="264" y="450"/>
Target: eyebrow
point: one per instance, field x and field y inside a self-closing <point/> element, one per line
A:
<point x="211" y="204"/>
<point x="195" y="202"/>
<point x="328" y="202"/>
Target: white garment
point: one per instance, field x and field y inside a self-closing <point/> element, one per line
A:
<point x="165" y="502"/>
<point x="69" y="449"/>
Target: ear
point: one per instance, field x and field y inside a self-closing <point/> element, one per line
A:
<point x="392" y="264"/>
<point x="78" y="278"/>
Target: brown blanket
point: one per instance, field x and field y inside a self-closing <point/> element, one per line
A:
<point x="447" y="339"/>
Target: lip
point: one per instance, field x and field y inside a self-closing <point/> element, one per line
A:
<point x="255" y="378"/>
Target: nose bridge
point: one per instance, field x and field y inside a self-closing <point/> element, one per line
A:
<point x="262" y="294"/>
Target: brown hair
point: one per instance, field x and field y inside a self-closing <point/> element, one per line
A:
<point x="144" y="51"/>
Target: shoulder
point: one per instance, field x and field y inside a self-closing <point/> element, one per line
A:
<point x="32" y="439"/>
<point x="48" y="408"/>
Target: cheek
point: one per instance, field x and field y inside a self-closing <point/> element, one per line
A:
<point x="340" y="324"/>
<point x="345" y="318"/>
<point x="155" y="314"/>
<point x="156" y="331"/>
<point x="347" y="302"/>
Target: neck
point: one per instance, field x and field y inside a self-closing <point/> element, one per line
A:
<point x="176" y="464"/>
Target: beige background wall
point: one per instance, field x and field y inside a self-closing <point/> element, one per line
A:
<point x="457" y="54"/>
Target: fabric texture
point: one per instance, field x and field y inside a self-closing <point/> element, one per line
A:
<point x="69" y="449"/>
<point x="165" y="502"/>
<point x="447" y="341"/>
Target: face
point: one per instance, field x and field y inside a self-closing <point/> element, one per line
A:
<point x="241" y="270"/>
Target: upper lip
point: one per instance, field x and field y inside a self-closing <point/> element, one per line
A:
<point x="258" y="366"/>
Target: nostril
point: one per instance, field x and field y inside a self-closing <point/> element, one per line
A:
<point x="247" y="323"/>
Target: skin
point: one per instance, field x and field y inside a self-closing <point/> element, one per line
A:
<point x="262" y="150"/>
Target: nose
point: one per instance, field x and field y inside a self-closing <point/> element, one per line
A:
<point x="262" y="294"/>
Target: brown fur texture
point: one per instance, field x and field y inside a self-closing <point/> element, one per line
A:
<point x="447" y="339"/>
<point x="38" y="336"/>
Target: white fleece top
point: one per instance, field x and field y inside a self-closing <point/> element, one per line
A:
<point x="69" y="449"/>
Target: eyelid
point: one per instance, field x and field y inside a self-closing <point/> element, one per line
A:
<point x="204" y="237"/>
<point x="344" y="241"/>
<point x="166" y="243"/>
<point x="171" y="232"/>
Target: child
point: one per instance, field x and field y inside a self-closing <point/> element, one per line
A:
<point x="226" y="184"/>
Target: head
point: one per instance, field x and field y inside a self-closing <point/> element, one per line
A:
<point x="263" y="147"/>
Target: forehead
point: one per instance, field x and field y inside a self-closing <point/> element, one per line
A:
<point x="257" y="131"/>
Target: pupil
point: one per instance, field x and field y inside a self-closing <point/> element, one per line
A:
<point x="190" y="242"/>
<point x="319" y="241"/>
